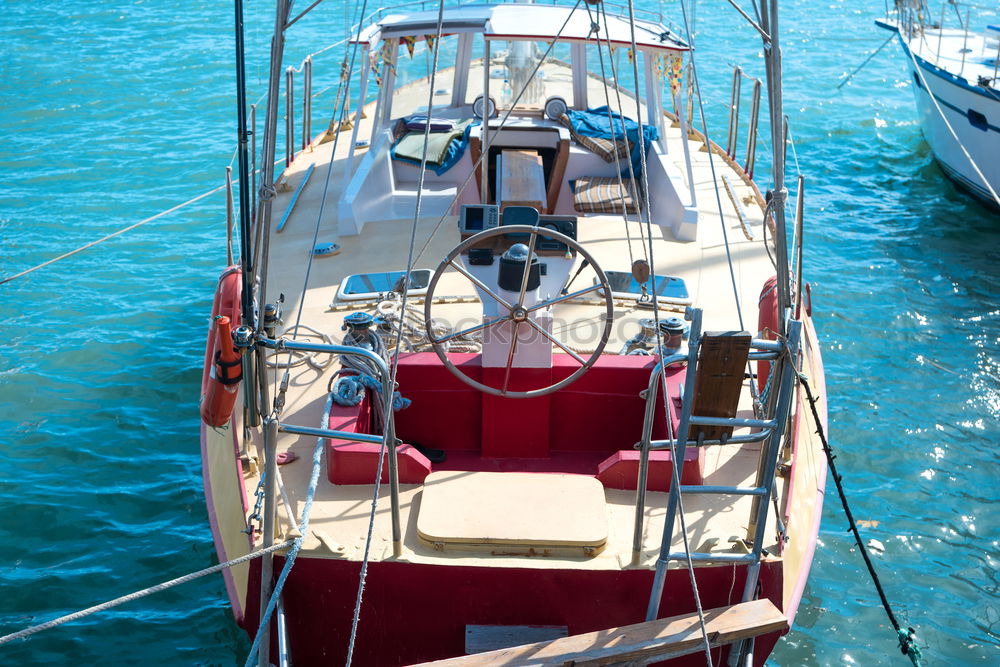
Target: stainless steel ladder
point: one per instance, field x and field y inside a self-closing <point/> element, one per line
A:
<point x="771" y="430"/>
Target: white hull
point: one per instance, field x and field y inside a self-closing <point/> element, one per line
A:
<point x="983" y="145"/>
<point x="958" y="101"/>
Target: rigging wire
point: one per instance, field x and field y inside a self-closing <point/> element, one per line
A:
<point x="595" y="29"/>
<point x="342" y="101"/>
<point x="503" y="122"/>
<point x="711" y="164"/>
<point x="656" y="319"/>
<point x="390" y="382"/>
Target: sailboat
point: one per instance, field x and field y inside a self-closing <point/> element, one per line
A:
<point x="509" y="365"/>
<point x="956" y="83"/>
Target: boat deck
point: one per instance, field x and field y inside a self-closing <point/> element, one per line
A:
<point x="340" y="515"/>
<point x="339" y="519"/>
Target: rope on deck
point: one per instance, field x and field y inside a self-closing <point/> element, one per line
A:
<point x="27" y="632"/>
<point x="906" y="637"/>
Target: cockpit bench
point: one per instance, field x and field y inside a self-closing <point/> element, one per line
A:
<point x="592" y="426"/>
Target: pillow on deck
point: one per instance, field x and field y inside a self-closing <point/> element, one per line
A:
<point x="604" y="194"/>
<point x="607" y="149"/>
<point x="444" y="149"/>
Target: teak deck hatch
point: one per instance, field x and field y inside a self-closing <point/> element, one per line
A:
<point x="525" y="514"/>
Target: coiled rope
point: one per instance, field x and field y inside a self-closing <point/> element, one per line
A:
<point x="27" y="632"/>
<point x="906" y="637"/>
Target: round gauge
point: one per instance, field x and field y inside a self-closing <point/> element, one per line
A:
<point x="555" y="107"/>
<point x="477" y="107"/>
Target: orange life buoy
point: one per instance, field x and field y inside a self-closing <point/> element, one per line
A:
<point x="222" y="372"/>
<point x="767" y="324"/>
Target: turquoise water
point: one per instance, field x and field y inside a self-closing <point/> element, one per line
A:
<point x="112" y="112"/>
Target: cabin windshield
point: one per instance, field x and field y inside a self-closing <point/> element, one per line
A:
<point x="512" y="64"/>
<point x="411" y="69"/>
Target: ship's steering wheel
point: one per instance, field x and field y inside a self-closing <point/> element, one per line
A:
<point x="517" y="313"/>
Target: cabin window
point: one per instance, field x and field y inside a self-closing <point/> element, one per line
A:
<point x="978" y="120"/>
<point x="668" y="288"/>
<point x="475" y="86"/>
<point x="414" y="61"/>
<point x="515" y="62"/>
<point x="618" y="66"/>
<point x="373" y="285"/>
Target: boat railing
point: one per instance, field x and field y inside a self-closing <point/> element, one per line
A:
<point x="735" y="103"/>
<point x="768" y="429"/>
<point x="307" y="99"/>
<point x="388" y="437"/>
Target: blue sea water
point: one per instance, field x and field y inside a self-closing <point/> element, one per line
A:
<point x="112" y="112"/>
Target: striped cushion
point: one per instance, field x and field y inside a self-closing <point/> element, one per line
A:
<point x="606" y="149"/>
<point x="600" y="194"/>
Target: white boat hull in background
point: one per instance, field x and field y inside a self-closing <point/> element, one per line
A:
<point x="959" y="102"/>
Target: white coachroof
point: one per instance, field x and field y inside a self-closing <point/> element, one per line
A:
<point x="524" y="21"/>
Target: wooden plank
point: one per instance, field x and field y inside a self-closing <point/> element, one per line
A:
<point x="558" y="170"/>
<point x="295" y="198"/>
<point x="722" y="363"/>
<point x="641" y="643"/>
<point x="484" y="638"/>
<point x="522" y="179"/>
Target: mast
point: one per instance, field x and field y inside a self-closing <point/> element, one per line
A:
<point x="258" y="385"/>
<point x="246" y="248"/>
<point x="772" y="59"/>
<point x="244" y="163"/>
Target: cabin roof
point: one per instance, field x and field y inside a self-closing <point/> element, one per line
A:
<point x="522" y="21"/>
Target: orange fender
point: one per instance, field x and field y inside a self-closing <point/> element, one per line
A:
<point x="767" y="324"/>
<point x="220" y="380"/>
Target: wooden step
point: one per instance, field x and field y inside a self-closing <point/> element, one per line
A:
<point x="641" y="643"/>
<point x="722" y="362"/>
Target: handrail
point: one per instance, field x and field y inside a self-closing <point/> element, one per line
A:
<point x="388" y="437"/>
<point x="734" y="112"/>
<point x="761" y="349"/>
<point x="751" y="158"/>
<point x="289" y="116"/>
<point x="743" y="439"/>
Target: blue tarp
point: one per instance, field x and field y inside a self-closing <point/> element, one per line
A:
<point x="596" y="123"/>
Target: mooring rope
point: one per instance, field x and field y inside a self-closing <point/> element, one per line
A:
<point x="27" y="632"/>
<point x="293" y="553"/>
<point x="907" y="637"/>
<point x="112" y="235"/>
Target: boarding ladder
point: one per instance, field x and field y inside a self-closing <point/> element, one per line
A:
<point x="768" y="430"/>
